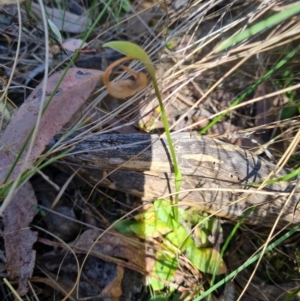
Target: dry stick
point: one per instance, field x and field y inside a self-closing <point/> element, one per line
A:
<point x="139" y="165"/>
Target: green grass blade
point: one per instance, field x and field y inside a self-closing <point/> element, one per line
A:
<point x="225" y="246"/>
<point x="261" y="26"/>
<point x="28" y="174"/>
<point x="248" y="262"/>
<point x="285" y="178"/>
<point x="253" y="87"/>
<point x="292" y="294"/>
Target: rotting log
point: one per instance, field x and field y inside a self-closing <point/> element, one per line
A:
<point x="215" y="175"/>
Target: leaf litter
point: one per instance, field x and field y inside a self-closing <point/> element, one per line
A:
<point x="19" y="213"/>
<point x="56" y="115"/>
<point x="212" y="103"/>
<point x="64" y="20"/>
<point x="65" y="103"/>
<point x="67" y="100"/>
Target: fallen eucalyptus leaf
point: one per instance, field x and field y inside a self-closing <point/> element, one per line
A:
<point x="67" y="100"/>
<point x="18" y="238"/>
<point x="64" y="20"/>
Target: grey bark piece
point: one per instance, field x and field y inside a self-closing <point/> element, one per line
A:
<point x="216" y="171"/>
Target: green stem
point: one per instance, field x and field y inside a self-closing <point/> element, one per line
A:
<point x="177" y="172"/>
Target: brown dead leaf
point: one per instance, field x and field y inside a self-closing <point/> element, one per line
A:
<point x="64" y="20"/>
<point x="112" y="245"/>
<point x="18" y="238"/>
<point x="75" y="88"/>
<point x="124" y="88"/>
